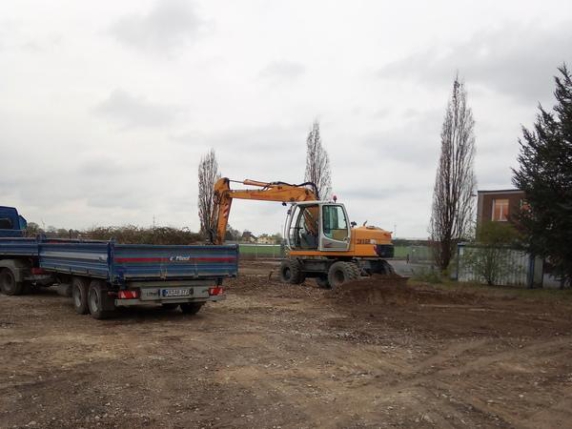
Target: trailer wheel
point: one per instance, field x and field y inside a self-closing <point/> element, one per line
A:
<point x="342" y="272"/>
<point x="98" y="302"/>
<point x="8" y="283"/>
<point x="79" y="289"/>
<point x="291" y="272"/>
<point x="191" y="307"/>
<point x="323" y="282"/>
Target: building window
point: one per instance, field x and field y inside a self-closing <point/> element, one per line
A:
<point x="500" y="210"/>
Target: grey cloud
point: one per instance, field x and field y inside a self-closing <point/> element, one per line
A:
<point x="494" y="172"/>
<point x="260" y="139"/>
<point x="381" y="113"/>
<point x="42" y="44"/>
<point x="125" y="199"/>
<point x="382" y="191"/>
<point x="256" y="140"/>
<point x="283" y="70"/>
<point x="516" y="60"/>
<point x="170" y="24"/>
<point x="266" y="153"/>
<point x="99" y="167"/>
<point x="89" y="182"/>
<point x="8" y="29"/>
<point x="32" y="46"/>
<point x="104" y="166"/>
<point x="131" y="111"/>
<point x="110" y="183"/>
<point x="417" y="141"/>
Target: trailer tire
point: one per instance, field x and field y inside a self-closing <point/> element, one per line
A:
<point x="98" y="302"/>
<point x="8" y="283"/>
<point x="342" y="272"/>
<point x="291" y="272"/>
<point x="79" y="291"/>
<point x="191" y="307"/>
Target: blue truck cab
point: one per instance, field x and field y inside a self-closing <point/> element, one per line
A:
<point x="101" y="276"/>
<point x="11" y="223"/>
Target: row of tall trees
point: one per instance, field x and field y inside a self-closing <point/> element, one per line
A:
<point x="544" y="174"/>
<point x="317" y="171"/>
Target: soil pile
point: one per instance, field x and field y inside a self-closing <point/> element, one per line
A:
<point x="394" y="290"/>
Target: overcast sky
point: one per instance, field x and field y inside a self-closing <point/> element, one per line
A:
<point x="107" y="107"/>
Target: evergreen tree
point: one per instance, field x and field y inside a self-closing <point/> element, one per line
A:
<point x="545" y="175"/>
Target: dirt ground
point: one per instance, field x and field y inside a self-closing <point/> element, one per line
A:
<point x="375" y="354"/>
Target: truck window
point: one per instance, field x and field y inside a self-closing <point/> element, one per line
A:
<point x="6" y="223"/>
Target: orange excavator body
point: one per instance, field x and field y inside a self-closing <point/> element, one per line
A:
<point x="318" y="233"/>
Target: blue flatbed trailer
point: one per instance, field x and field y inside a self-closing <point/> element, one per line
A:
<point x="104" y="275"/>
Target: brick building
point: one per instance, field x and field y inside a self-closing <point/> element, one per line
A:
<point x="525" y="269"/>
<point x="499" y="206"/>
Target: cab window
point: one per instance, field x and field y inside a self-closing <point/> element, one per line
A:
<point x="304" y="232"/>
<point x="334" y="223"/>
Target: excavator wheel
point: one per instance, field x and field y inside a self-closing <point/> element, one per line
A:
<point x="291" y="272"/>
<point x="342" y="272"/>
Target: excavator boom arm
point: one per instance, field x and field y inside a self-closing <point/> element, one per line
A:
<point x="267" y="191"/>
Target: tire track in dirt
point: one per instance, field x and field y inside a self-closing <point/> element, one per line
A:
<point x="292" y="357"/>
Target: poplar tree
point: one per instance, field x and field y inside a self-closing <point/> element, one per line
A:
<point x="318" y="163"/>
<point x="455" y="182"/>
<point x="208" y="175"/>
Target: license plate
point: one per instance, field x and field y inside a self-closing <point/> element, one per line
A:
<point x="172" y="293"/>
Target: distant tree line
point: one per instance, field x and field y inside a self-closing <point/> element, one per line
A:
<point x="131" y="234"/>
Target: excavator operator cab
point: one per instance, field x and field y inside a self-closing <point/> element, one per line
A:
<point x="316" y="225"/>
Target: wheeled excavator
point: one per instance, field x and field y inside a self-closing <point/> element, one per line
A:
<point x="322" y="243"/>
